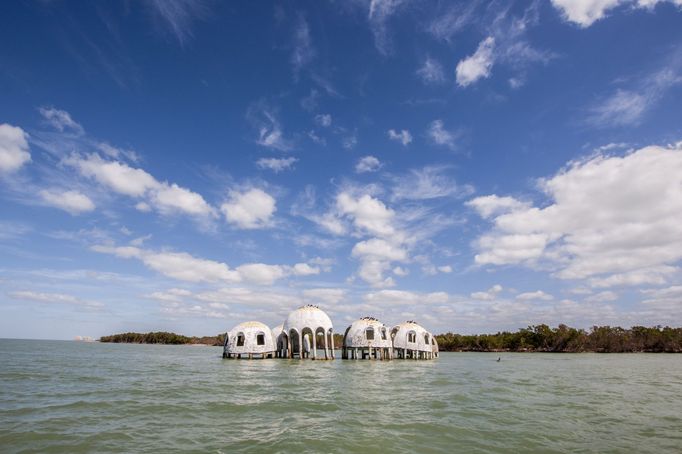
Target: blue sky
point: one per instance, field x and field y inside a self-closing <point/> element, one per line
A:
<point x="476" y="166"/>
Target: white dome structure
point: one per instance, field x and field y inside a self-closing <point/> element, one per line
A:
<point x="367" y="338"/>
<point x="249" y="339"/>
<point x="411" y="340"/>
<point x="305" y="330"/>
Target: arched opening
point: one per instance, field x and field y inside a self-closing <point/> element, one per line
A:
<point x="260" y="338"/>
<point x="295" y="343"/>
<point x="240" y="339"/>
<point x="412" y="337"/>
<point x="283" y="345"/>
<point x="394" y="331"/>
<point x="383" y="333"/>
<point x="307" y="335"/>
<point x="426" y="339"/>
<point x="330" y="343"/>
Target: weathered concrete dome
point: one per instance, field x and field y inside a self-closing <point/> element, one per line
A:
<point x="367" y="332"/>
<point x="249" y="338"/>
<point x="412" y="336"/>
<point x="307" y="316"/>
<point x="306" y="330"/>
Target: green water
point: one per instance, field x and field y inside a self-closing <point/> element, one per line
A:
<point x="77" y="397"/>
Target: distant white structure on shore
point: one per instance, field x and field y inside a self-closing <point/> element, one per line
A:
<point x="308" y="332"/>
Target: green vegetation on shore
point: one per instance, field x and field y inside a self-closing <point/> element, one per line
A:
<point x="542" y="338"/>
<point x="538" y="338"/>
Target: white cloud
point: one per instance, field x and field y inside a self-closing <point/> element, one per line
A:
<point x="59" y="298"/>
<point x="493" y="205"/>
<point x="276" y="164"/>
<point x="260" y="273"/>
<point x="608" y="215"/>
<point x="440" y="136"/>
<point x="369" y="214"/>
<point x="402" y="136"/>
<point x="402" y="297"/>
<point x="447" y="269"/>
<point x="251" y="209"/>
<point x="379" y="249"/>
<point x="538" y="295"/>
<point x="431" y="72"/>
<point x="656" y="275"/>
<point x="380" y="12"/>
<point x="60" y="120"/>
<point x="303" y="52"/>
<point x="586" y="12"/>
<point x="172" y="198"/>
<point x="427" y="183"/>
<point x="629" y="106"/>
<point x="602" y="297"/>
<point x="72" y="202"/>
<point x="400" y="271"/>
<point x="14" y="151"/>
<point x="324" y="120"/>
<point x="166" y="198"/>
<point x="367" y="164"/>
<point x="489" y="294"/>
<point x="303" y="269"/>
<point x="270" y="134"/>
<point x="115" y="175"/>
<point x="478" y="65"/>
<point x="185" y="267"/>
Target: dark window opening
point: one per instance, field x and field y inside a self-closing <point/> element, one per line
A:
<point x="383" y="333"/>
<point x="426" y="339"/>
<point x="260" y="339"/>
<point x="369" y="333"/>
<point x="411" y="337"/>
<point x="240" y="340"/>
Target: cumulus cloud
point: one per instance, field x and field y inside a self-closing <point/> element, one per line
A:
<point x="586" y="12"/>
<point x="185" y="267"/>
<point x="14" y="151"/>
<point x="478" y="65"/>
<point x="368" y="214"/>
<point x="402" y="136"/>
<point x="60" y="120"/>
<point x="166" y="198"/>
<point x="276" y="164"/>
<point x="656" y="275"/>
<point x="250" y="209"/>
<point x="441" y="136"/>
<point x="492" y="205"/>
<point x="538" y="295"/>
<point x="72" y="202"/>
<point x="431" y="72"/>
<point x="607" y="215"/>
<point x="367" y="164"/>
<point x="487" y="295"/>
<point x="329" y="296"/>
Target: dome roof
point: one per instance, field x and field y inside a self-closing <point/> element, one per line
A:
<point x="250" y="337"/>
<point x="277" y="331"/>
<point x="308" y="316"/>
<point x="413" y="336"/>
<point x="357" y="334"/>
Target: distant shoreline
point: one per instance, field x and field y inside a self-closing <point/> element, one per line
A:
<point x="534" y="339"/>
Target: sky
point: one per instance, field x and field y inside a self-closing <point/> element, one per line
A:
<point x="476" y="166"/>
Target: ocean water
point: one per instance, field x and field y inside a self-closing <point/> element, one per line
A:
<point x="89" y="397"/>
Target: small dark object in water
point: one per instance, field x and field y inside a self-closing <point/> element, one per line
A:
<point x="499" y="359"/>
